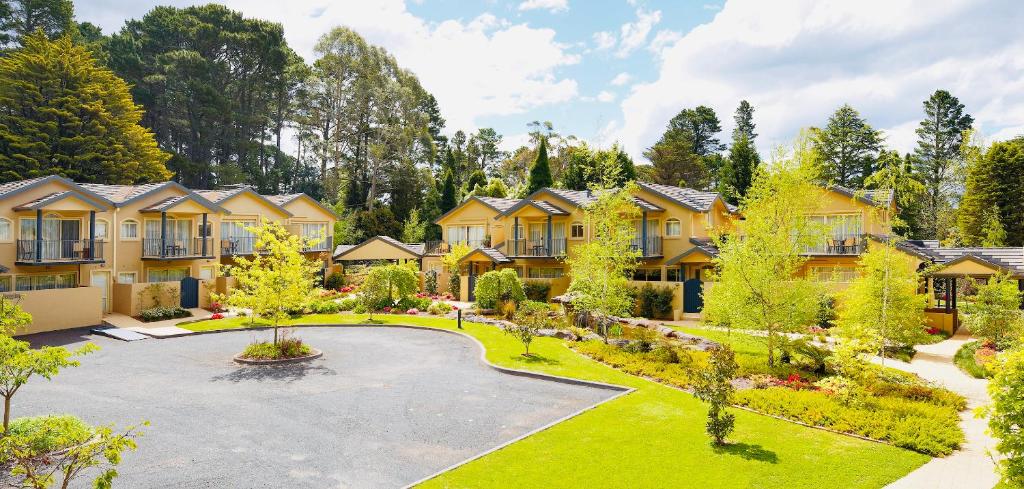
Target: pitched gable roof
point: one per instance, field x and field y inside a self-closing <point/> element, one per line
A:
<point x="496" y="204"/>
<point x="687" y="197"/>
<point x="47" y="199"/>
<point x="415" y="249"/>
<point x="871" y="197"/>
<point x="282" y="200"/>
<point x="222" y="195"/>
<point x="10" y="189"/>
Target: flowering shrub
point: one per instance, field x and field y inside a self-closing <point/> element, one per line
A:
<point x="439" y="308"/>
<point x="985" y="355"/>
<point x="815" y="330"/>
<point x="387" y="309"/>
<point x="217" y="316"/>
<point x="216" y="307"/>
<point x="347" y="289"/>
<point x="932" y="330"/>
<point x="795" y="382"/>
<point x="413" y="311"/>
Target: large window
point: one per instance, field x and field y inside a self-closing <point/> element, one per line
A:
<point x="126" y="278"/>
<point x="166" y="274"/>
<point x="45" y="282"/>
<point x="471" y="235"/>
<point x="675" y="274"/>
<point x="841" y="225"/>
<point x="5" y="283"/>
<point x="101" y="229"/>
<point x="129" y="229"/>
<point x="544" y="272"/>
<point x="673" y="228"/>
<point x="236" y="238"/>
<point x="6" y="231"/>
<point x="317" y="233"/>
<point x="647" y="274"/>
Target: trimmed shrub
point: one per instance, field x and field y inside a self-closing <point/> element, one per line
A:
<point x="161" y="313"/>
<point x="654" y="302"/>
<point x="285" y="348"/>
<point x="335" y="281"/>
<point x="326" y="307"/>
<point x="439" y="308"/>
<point x="679" y="373"/>
<point x="430" y="282"/>
<point x="537" y="290"/>
<point x="348" y="304"/>
<point x="498" y="286"/>
<point x="421" y="303"/>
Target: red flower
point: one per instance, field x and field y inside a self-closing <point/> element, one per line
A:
<point x="217" y="316"/>
<point x="387" y="309"/>
<point x="932" y="330"/>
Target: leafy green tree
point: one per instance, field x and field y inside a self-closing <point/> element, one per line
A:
<point x="895" y="173"/>
<point x="994" y="312"/>
<point x="529" y="319"/>
<point x="599" y="268"/>
<point x="702" y="125"/>
<point x="883" y="306"/>
<point x="991" y="197"/>
<point x="495" y="188"/>
<point x="744" y="120"/>
<point x="61" y="113"/>
<point x="498" y="287"/>
<point x="415" y="229"/>
<point x="45" y="450"/>
<point x="585" y="167"/>
<point x="379" y="222"/>
<point x="20" y="18"/>
<point x="449" y="199"/>
<point x="714" y="386"/>
<point x="277" y="281"/>
<point x="19" y="362"/>
<point x="938" y="163"/>
<point x="1006" y="416"/>
<point x="758" y="282"/>
<point x="450" y="261"/>
<point x="675" y="163"/>
<point x="848" y="147"/>
<point x="476" y="179"/>
<point x="12" y="317"/>
<point x="540" y="172"/>
<point x="738" y="173"/>
<point x="387" y="285"/>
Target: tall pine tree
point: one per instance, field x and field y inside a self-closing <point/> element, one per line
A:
<point x="848" y="148"/>
<point x="994" y="181"/>
<point x="449" y="197"/>
<point x="937" y="159"/>
<point x="738" y="171"/>
<point x="61" y="113"/>
<point x="540" y="172"/>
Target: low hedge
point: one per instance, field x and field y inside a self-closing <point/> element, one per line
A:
<point x="161" y="313"/>
<point x="915" y="425"/>
<point x="673" y="366"/>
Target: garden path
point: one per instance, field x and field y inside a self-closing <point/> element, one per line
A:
<point x="971" y="466"/>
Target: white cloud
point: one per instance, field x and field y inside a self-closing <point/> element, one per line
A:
<point x="604" y="40"/>
<point x="711" y="6"/>
<point x="485" y="66"/>
<point x="634" y="34"/>
<point x="621" y="79"/>
<point x="552" y="6"/>
<point x="663" y="39"/>
<point x="795" y="62"/>
<point x="605" y="96"/>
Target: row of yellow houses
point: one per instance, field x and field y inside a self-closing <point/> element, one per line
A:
<point x="533" y="235"/>
<point x="71" y="253"/>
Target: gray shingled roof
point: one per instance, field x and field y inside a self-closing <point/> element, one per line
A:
<point x="282" y="199"/>
<point x="121" y="193"/>
<point x="705" y="245"/>
<point x="495" y="255"/>
<point x="876" y="197"/>
<point x="40" y="200"/>
<point x="549" y="208"/>
<point x="498" y="203"/>
<point x="1012" y="259"/>
<point x="6" y="188"/>
<point x="688" y="197"/>
<point x="583" y="198"/>
<point x="414" y="248"/>
<point x="219" y="195"/>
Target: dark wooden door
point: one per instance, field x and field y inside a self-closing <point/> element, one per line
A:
<point x="693" y="300"/>
<point x="189" y="292"/>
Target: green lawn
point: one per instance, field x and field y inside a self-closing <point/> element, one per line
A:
<point x="653" y="437"/>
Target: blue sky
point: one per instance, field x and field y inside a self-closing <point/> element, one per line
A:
<point x="617" y="70"/>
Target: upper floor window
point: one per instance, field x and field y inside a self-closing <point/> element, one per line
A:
<point x="206" y="231"/>
<point x="129" y="229"/>
<point x="673" y="227"/>
<point x="472" y="235"/>
<point x="841" y="225"/>
<point x="577" y="230"/>
<point x="6" y="230"/>
<point x="101" y="229"/>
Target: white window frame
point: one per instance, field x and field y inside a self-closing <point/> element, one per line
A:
<point x="121" y="233"/>
<point x="10" y="231"/>
<point x="679" y="227"/>
<point x="106" y="229"/>
<point x="572" y="230"/>
<point x="134" y="275"/>
<point x="73" y="283"/>
<point x="6" y="283"/>
<point x="211" y="268"/>
<point x="188" y="273"/>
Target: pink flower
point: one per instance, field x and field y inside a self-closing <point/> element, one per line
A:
<point x="217" y="316"/>
<point x="413" y="311"/>
<point x="387" y="309"/>
<point x="455" y="308"/>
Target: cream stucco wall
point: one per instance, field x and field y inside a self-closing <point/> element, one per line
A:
<point x="58" y="309"/>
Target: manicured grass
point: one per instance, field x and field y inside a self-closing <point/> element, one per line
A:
<point x="964" y="359"/>
<point x="653" y="437"/>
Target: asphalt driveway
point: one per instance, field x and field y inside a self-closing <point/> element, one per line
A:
<point x="382" y="408"/>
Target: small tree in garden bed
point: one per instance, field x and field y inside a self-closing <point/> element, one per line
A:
<point x="1006" y="416"/>
<point x="994" y="312"/>
<point x="498" y="287"/>
<point x="386" y="285"/>
<point x="713" y="385"/>
<point x="883" y="306"/>
<point x="19" y="362"/>
<point x="451" y="264"/>
<point x="758" y="282"/>
<point x="600" y="267"/>
<point x="531" y="317"/>
<point x="430" y="282"/>
<point x="278" y="281"/>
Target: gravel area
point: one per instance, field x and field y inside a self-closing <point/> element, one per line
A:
<point x="382" y="408"/>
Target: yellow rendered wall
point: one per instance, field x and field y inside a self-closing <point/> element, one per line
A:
<point x="475" y="213"/>
<point x="58" y="309"/>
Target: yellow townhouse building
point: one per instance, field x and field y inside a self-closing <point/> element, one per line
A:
<point x="673" y="235"/>
<point x="71" y="253"/>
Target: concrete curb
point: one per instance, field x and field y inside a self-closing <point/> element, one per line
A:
<point x="314" y="354"/>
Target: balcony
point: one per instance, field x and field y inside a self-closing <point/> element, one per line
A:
<point x="323" y="245"/>
<point x="50" y="251"/>
<point x="238" y="245"/>
<point x="649" y="247"/>
<point x="535" y="248"/>
<point x="848" y="245"/>
<point x="443" y="247"/>
<point x="177" y="249"/>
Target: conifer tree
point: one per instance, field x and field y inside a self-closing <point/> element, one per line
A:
<point x="62" y="113"/>
<point x="448" y="197"/>
<point x="938" y="160"/>
<point x="994" y="180"/>
<point x="540" y="172"/>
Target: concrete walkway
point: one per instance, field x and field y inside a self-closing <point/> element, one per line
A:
<point x="969" y="467"/>
<point x="165" y="328"/>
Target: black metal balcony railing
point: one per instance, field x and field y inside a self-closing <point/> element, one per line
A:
<point x="238" y="245"/>
<point x="853" y="244"/>
<point x="59" y="250"/>
<point x="177" y="248"/>
<point x="323" y="245"/>
<point x="435" y="247"/>
<point x="535" y="247"/>
<point x="649" y="247"/>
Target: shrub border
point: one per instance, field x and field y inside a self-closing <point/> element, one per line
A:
<point x="313" y="354"/>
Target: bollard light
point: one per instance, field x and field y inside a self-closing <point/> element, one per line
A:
<point x="459" y="311"/>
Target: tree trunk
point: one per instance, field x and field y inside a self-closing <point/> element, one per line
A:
<point x="7" y="412"/>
